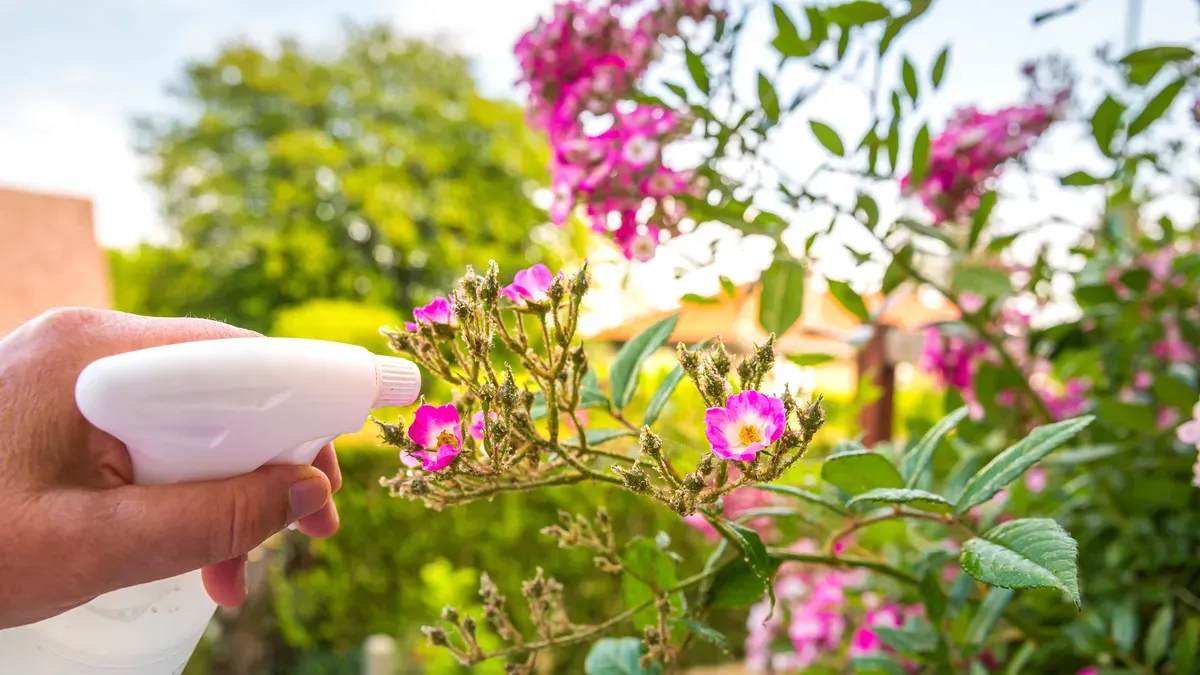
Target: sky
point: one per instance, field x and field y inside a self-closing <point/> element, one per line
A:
<point x="75" y="73"/>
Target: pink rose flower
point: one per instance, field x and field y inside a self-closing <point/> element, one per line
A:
<point x="437" y="311"/>
<point x="748" y="423"/>
<point x="477" y="424"/>
<point x="530" y="285"/>
<point x="438" y="430"/>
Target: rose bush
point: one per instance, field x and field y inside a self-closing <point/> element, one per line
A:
<point x="908" y="558"/>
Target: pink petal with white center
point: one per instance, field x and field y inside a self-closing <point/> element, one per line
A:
<point x="429" y="422"/>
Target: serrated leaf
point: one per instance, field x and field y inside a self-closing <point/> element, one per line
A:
<point x="644" y="560"/>
<point x="909" y="75"/>
<point x="856" y="13"/>
<point x="782" y="298"/>
<point x="1010" y="464"/>
<point x="801" y="493"/>
<point x="858" y="471"/>
<point x="985" y="281"/>
<point x="921" y="499"/>
<point x="738" y="585"/>
<point x="920" y="157"/>
<point x="625" y="371"/>
<point x="1161" y="54"/>
<point x="1156" y="107"/>
<point x="1158" y="635"/>
<point x="708" y="634"/>
<point x="768" y="99"/>
<point x="754" y="552"/>
<point x="918" y="458"/>
<point x="828" y="137"/>
<point x="617" y="656"/>
<point x="848" y="299"/>
<point x="810" y="360"/>
<point x="1025" y="553"/>
<point x="939" y="66"/>
<point x="1105" y="121"/>
<point x="697" y="70"/>
<point x="1079" y="179"/>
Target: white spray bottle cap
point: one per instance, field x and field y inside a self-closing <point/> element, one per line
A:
<point x="397" y="381"/>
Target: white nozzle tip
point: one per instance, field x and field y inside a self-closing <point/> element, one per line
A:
<point x="398" y="380"/>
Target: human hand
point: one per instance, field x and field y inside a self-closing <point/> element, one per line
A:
<point x="77" y="526"/>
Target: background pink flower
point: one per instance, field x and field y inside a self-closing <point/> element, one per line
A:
<point x="437" y="429"/>
<point x="477" y="427"/>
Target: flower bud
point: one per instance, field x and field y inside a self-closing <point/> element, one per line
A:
<point x="688" y="360"/>
<point x="693" y="482"/>
<point x="652" y="636"/>
<point x="510" y="394"/>
<point x="720" y="358"/>
<point x="580" y="284"/>
<point x="489" y="290"/>
<point x="651" y="443"/>
<point x="450" y="614"/>
<point x="706" y="465"/>
<point x="418" y="487"/>
<point x="468" y="625"/>
<point x="557" y="290"/>
<point x="470" y="282"/>
<point x="579" y="360"/>
<point x="392" y="434"/>
<point x="437" y="636"/>
<point x="635" y="479"/>
<point x="602" y="516"/>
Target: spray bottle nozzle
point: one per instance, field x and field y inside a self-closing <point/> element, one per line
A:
<point x="398" y="381"/>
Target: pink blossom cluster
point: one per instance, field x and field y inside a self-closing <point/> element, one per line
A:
<point x="1189" y="433"/>
<point x="584" y="61"/>
<point x="1067" y="400"/>
<point x="971" y="150"/>
<point x="952" y="358"/>
<point x="813" y="614"/>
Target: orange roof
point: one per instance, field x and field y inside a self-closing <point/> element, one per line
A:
<point x="824" y="326"/>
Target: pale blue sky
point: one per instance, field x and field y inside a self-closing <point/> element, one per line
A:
<point x="73" y="73"/>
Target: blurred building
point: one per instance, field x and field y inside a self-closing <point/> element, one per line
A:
<point x="49" y="256"/>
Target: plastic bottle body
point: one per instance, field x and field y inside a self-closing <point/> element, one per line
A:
<point x="189" y="412"/>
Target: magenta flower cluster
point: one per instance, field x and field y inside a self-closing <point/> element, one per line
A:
<point x="971" y="150"/>
<point x="580" y="68"/>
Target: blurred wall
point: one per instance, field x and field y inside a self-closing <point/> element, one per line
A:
<point x="48" y="256"/>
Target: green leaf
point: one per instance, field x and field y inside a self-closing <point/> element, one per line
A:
<point x="1163" y="54"/>
<point x="939" y="66"/>
<point x="1010" y="464"/>
<point x="1173" y="390"/>
<point x="696" y="68"/>
<point x="662" y="395"/>
<point x="856" y="13"/>
<point x="1080" y="179"/>
<point x="858" y="471"/>
<point x="876" y="665"/>
<point x="753" y="552"/>
<point x="694" y="299"/>
<point x="738" y="585"/>
<point x="645" y="560"/>
<point x="727" y="286"/>
<point x="617" y="656"/>
<point x="768" y="99"/>
<point x="917" y="8"/>
<point x="989" y="613"/>
<point x="915" y="637"/>
<point x="626" y="367"/>
<point x="1124" y="625"/>
<point x="918" y="458"/>
<point x="927" y="231"/>
<point x="1133" y="416"/>
<point x="787" y="40"/>
<point x="932" y="594"/>
<point x="1156" y="107"/>
<point x="782" y="299"/>
<point x="801" y="493"/>
<point x="848" y="299"/>
<point x="809" y="360"/>
<point x="921" y="499"/>
<point x="979" y="219"/>
<point x="600" y="436"/>
<point x="1083" y="454"/>
<point x="828" y="137"/>
<point x="909" y="74"/>
<point x="1017" y="663"/>
<point x="1025" y="553"/>
<point x="893" y="145"/>
<point x="986" y="281"/>
<point x="897" y="271"/>
<point x="920" y="157"/>
<point x="1055" y="13"/>
<point x="708" y="634"/>
<point x="1105" y="121"/>
<point x="869" y="208"/>
<point x="1158" y="636"/>
<point x="1187" y="648"/>
<point x="677" y="90"/>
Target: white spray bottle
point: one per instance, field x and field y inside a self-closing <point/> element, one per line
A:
<point x="199" y="411"/>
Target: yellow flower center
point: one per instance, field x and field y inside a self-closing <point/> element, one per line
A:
<point x="446" y="438"/>
<point x="749" y="434"/>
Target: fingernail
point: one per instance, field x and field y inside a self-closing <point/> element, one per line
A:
<point x="306" y="497"/>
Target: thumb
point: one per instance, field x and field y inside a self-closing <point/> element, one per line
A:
<point x="146" y="533"/>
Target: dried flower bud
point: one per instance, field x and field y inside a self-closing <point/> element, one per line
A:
<point x="557" y="290"/>
<point x="635" y="479"/>
<point x="437" y="636"/>
<point x="693" y="482"/>
<point x="688" y="360"/>
<point x="489" y="291"/>
<point x="468" y="625"/>
<point x="580" y="284"/>
<point x="470" y="282"/>
<point x="789" y="403"/>
<point x="397" y="340"/>
<point x="392" y="434"/>
<point x="651" y="442"/>
<point x="516" y="669"/>
<point x="652" y="636"/>
<point x="418" y="487"/>
<point x="706" y="465"/>
<point x="602" y="516"/>
<point x="510" y="394"/>
<point x="715" y="386"/>
<point x="450" y="614"/>
<point x="720" y="358"/>
<point x="579" y="360"/>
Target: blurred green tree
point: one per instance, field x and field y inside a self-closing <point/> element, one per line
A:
<point x="360" y="173"/>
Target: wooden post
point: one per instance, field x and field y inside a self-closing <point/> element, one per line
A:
<point x="874" y="363"/>
<point x="379" y="655"/>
